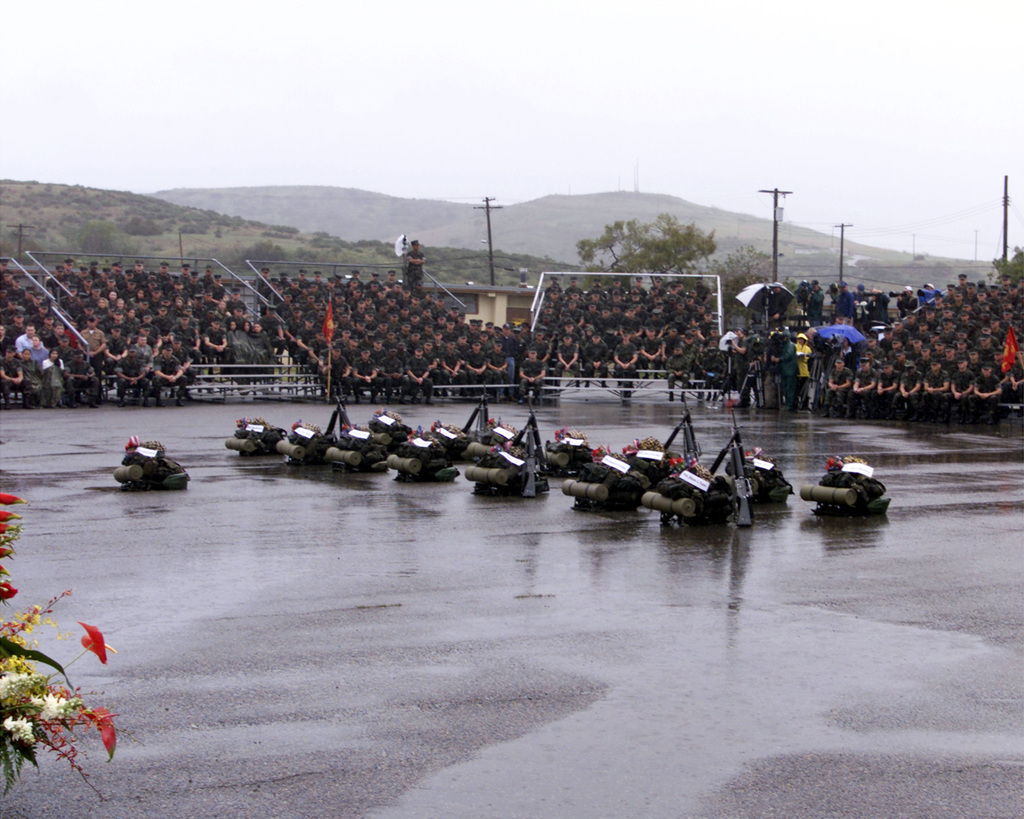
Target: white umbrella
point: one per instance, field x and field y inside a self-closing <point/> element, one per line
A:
<point x="400" y="245"/>
<point x="755" y="296"/>
<point x="723" y="342"/>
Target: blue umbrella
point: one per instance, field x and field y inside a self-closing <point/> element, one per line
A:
<point x="845" y="330"/>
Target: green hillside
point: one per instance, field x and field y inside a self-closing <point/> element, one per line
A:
<point x="77" y="220"/>
<point x="552" y="225"/>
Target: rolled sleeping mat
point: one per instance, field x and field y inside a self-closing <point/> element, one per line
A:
<point x="381" y="438"/>
<point x="657" y="502"/>
<point x="343" y="456"/>
<point x="124" y="474"/>
<point x="411" y="466"/>
<point x="293" y="451"/>
<point x="685" y="507"/>
<point x="583" y="489"/>
<point x="827" y="494"/>
<point x="559" y="459"/>
<point x="499" y="477"/>
<point x="476" y="450"/>
<point x="241" y="444"/>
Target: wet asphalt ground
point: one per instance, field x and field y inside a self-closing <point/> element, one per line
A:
<point x="301" y="643"/>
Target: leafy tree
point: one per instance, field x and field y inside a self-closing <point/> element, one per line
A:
<point x="141" y="226"/>
<point x="662" y="246"/>
<point x="102" y="237"/>
<point x="1014" y="265"/>
<point x="739" y="269"/>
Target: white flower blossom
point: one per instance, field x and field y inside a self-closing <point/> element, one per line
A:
<point x="9" y="681"/>
<point x="20" y="729"/>
<point x="52" y="707"/>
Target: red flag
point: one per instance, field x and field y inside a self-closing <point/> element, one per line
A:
<point x="329" y="322"/>
<point x="1010" y="350"/>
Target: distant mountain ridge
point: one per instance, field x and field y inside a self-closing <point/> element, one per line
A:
<point x="549" y="226"/>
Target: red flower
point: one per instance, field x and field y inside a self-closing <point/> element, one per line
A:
<point x="6" y="516"/>
<point x="7" y="591"/>
<point x="93" y="641"/>
<point x="104" y="722"/>
<point x="6" y="499"/>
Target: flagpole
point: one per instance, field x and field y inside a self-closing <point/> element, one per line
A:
<point x="328" y="330"/>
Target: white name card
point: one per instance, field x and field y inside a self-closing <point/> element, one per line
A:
<point x="361" y="434"/>
<point x="146" y="452"/>
<point x="650" y="454"/>
<point x="421" y="443"/>
<point x="451" y="436"/>
<point x="859" y="469"/>
<point x="386" y="420"/>
<point x="763" y="464"/>
<point x="696" y="480"/>
<point x="573" y="441"/>
<point x="254" y="427"/>
<point x="615" y="463"/>
<point x="504" y="433"/>
<point x="512" y="459"/>
<point x="305" y="433"/>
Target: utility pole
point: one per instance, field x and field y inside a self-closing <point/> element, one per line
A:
<point x="1006" y="210"/>
<point x="20" y="230"/>
<point x="488" y="207"/>
<point x="776" y="193"/>
<point x="842" y="238"/>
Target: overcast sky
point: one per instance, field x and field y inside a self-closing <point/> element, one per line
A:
<point x="900" y="117"/>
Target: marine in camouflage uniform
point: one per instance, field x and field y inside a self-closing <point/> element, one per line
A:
<point x="935" y="402"/>
<point x="908" y="396"/>
<point x="392" y="369"/>
<point x="711" y="364"/>
<point x="837" y="393"/>
<point x="31" y="381"/>
<point x="11" y="379"/>
<point x="625" y="359"/>
<point x="451" y="371"/>
<point x="886" y="391"/>
<point x="595" y="358"/>
<point x="133" y="373"/>
<point x="531" y="376"/>
<point x="79" y="381"/>
<point x="863" y="392"/>
<point x="568" y="363"/>
<point x="961" y="390"/>
<point x="678" y="365"/>
<point x="168" y="373"/>
<point x="987" y="391"/>
<point x="365" y="375"/>
<point x="417" y="379"/>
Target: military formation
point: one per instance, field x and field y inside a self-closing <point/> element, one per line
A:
<point x="145" y="330"/>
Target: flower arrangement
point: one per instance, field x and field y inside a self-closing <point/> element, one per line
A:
<point x="389" y="413"/>
<point x="576" y="434"/>
<point x="451" y="428"/>
<point x="40" y="711"/>
<point x="836" y="463"/>
<point x="242" y="423"/>
<point x="758" y="453"/>
<point x="304" y="425"/>
<point x="492" y="423"/>
<point x="649" y="443"/>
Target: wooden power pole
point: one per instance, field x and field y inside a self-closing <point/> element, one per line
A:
<point x="776" y="193"/>
<point x="488" y="207"/>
